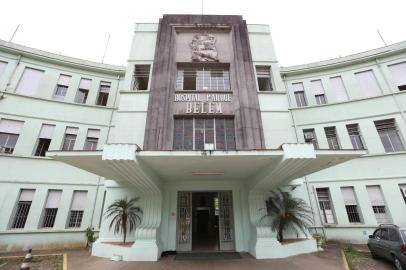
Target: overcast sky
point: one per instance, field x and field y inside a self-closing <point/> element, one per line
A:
<point x="303" y="30"/>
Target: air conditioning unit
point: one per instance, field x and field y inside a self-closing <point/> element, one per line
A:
<point x="209" y="146"/>
<point x="309" y="136"/>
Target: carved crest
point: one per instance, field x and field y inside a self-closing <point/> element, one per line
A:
<point x="204" y="48"/>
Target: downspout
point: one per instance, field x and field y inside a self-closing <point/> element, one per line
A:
<point x="11" y="76"/>
<point x="107" y="137"/>
<point x="297" y="140"/>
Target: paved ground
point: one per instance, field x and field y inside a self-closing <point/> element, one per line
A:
<point x="367" y="263"/>
<point x="330" y="259"/>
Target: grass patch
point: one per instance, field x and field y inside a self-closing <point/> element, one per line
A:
<point x="47" y="262"/>
<point x="354" y="257"/>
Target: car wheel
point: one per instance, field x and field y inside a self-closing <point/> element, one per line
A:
<point x="398" y="263"/>
<point x="374" y="256"/>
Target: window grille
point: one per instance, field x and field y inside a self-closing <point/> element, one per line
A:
<point x="380" y="214"/>
<point x="355" y="136"/>
<point x="326" y="211"/>
<point x="352" y="213"/>
<point x="75" y="219"/>
<point x="204" y="134"/>
<point x="49" y="217"/>
<point x="141" y="77"/>
<point x="203" y="78"/>
<point x="389" y="135"/>
<point x="23" y="208"/>
<point x="264" y="78"/>
<point x="378" y="204"/>
<point x="332" y="138"/>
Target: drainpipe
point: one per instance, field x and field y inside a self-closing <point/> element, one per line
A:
<point x="107" y="137"/>
<point x="11" y="76"/>
<point x="297" y="140"/>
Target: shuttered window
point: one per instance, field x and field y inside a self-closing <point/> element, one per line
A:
<point x="83" y="91"/>
<point x="326" y="210"/>
<point x="355" y="136"/>
<point x="351" y="205"/>
<point x="62" y="87"/>
<point x="368" y="84"/>
<point x="92" y="139"/>
<point x="29" y="82"/>
<point x="299" y="93"/>
<point x="44" y="139"/>
<point x="70" y="138"/>
<point x="339" y="89"/>
<point x="378" y="204"/>
<point x="318" y="90"/>
<point x="264" y="78"/>
<point x="51" y="208"/>
<point x="332" y="139"/>
<point x="103" y="96"/>
<point x="398" y="72"/>
<point x="77" y="209"/>
<point x="389" y="134"/>
<point x="9" y="133"/>
<point x="23" y="208"/>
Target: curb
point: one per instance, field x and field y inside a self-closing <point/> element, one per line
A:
<point x="346" y="267"/>
<point x="64" y="260"/>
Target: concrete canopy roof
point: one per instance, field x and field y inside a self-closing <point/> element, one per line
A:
<point x="257" y="168"/>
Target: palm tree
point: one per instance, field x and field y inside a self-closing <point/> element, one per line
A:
<point x="286" y="212"/>
<point x="125" y="216"/>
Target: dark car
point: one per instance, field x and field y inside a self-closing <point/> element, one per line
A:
<point x="389" y="242"/>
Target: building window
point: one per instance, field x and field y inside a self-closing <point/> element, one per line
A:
<point x="2" y="67"/>
<point x="318" y="90"/>
<point x="204" y="134"/>
<point x="83" y="91"/>
<point x="77" y="209"/>
<point x="300" y="96"/>
<point x="368" y="83"/>
<point x="351" y="205"/>
<point x="355" y="136"/>
<point x="103" y="93"/>
<point x="62" y="87"/>
<point x="44" y="140"/>
<point x="310" y="137"/>
<point x="339" y="88"/>
<point x="398" y="72"/>
<point x="29" y="82"/>
<point x="9" y="133"/>
<point x="332" y="139"/>
<point x="212" y="77"/>
<point x="378" y="204"/>
<point x="51" y="208"/>
<point x="326" y="211"/>
<point x="70" y="138"/>
<point x="23" y="208"/>
<point x="91" y="139"/>
<point x="403" y="191"/>
<point x="141" y="77"/>
<point x="389" y="135"/>
<point x="264" y="78"/>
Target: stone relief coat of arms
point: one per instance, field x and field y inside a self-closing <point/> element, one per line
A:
<point x="204" y="48"/>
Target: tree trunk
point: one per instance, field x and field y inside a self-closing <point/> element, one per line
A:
<point x="280" y="232"/>
<point x="124" y="229"/>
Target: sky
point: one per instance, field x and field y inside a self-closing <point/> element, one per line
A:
<point x="303" y="31"/>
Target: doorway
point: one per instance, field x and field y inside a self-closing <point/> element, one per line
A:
<point x="205" y="221"/>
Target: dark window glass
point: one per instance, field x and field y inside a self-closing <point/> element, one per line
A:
<point x="310" y="137"/>
<point x="188" y="134"/>
<point x="60" y="91"/>
<point x="8" y="142"/>
<point x="75" y="219"/>
<point x="393" y="235"/>
<point x="352" y="213"/>
<point x="389" y="135"/>
<point x="81" y="96"/>
<point x="91" y="144"/>
<point x="404" y="234"/>
<point x="23" y="208"/>
<point x="49" y="217"/>
<point x="199" y="134"/>
<point x="69" y="142"/>
<point x="230" y="134"/>
<point x="141" y="77"/>
<point x="203" y="77"/>
<point x="384" y="234"/>
<point x="321" y="99"/>
<point x="102" y="99"/>
<point x="264" y="78"/>
<point x="332" y="138"/>
<point x="42" y="147"/>
<point x="220" y="135"/>
<point x="355" y="136"/>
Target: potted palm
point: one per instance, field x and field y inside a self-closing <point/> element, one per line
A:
<point x="286" y="212"/>
<point x="125" y="215"/>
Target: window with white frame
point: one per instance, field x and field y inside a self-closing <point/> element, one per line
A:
<point x="378" y="204"/>
<point x="29" y="82"/>
<point x="398" y="72"/>
<point x="389" y="134"/>
<point x="3" y="66"/>
<point x="62" y="87"/>
<point x="83" y="90"/>
<point x="9" y="132"/>
<point x="368" y="83"/>
<point x="298" y="90"/>
<point x="44" y="140"/>
<point x="141" y="77"/>
<point x="403" y="191"/>
<point x="70" y="138"/>
<point x="77" y="209"/>
<point x="92" y="139"/>
<point x="204" y="134"/>
<point x="51" y="208"/>
<point x="326" y="209"/>
<point x="310" y="137"/>
<point x="351" y="205"/>
<point x="22" y="208"/>
<point x="332" y="138"/>
<point x="318" y="90"/>
<point x="264" y="78"/>
<point x="338" y="88"/>
<point x="355" y="136"/>
<point x="104" y="91"/>
<point x="203" y="77"/>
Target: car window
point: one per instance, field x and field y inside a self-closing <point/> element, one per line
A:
<point x="393" y="235"/>
<point x="404" y="234"/>
<point x="384" y="234"/>
<point x="377" y="234"/>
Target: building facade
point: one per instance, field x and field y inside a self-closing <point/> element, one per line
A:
<point x="200" y="125"/>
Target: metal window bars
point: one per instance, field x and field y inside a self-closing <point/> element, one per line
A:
<point x="49" y="217"/>
<point x="23" y="208"/>
<point x="380" y="214"/>
<point x="75" y="219"/>
<point x="352" y="213"/>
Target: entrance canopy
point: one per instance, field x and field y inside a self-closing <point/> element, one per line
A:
<point x="124" y="163"/>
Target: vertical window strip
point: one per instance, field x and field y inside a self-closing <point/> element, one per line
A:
<point x="326" y="210"/>
<point x="389" y="134"/>
<point x="23" y="208"/>
<point x="351" y="204"/>
<point x="332" y="139"/>
<point x="355" y="136"/>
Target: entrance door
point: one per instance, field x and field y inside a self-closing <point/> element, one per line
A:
<point x="205" y="221"/>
